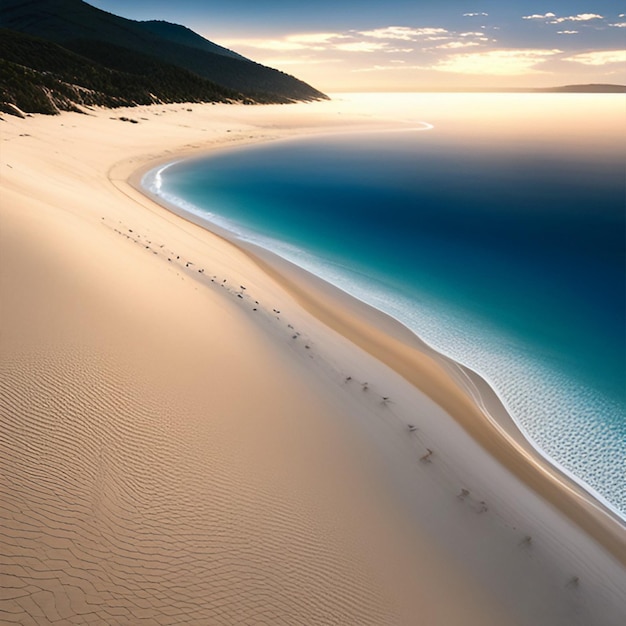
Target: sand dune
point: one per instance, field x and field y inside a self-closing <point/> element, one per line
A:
<point x="181" y="441"/>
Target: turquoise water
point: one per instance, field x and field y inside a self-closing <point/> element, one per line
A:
<point x="500" y="247"/>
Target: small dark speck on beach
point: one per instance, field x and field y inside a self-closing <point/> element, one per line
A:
<point x="426" y="457"/>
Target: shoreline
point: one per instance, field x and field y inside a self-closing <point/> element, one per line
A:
<point x="186" y="436"/>
<point x="501" y="434"/>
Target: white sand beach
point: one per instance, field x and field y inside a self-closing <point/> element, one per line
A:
<point x="192" y="431"/>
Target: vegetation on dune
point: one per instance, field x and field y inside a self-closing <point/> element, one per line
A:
<point x="38" y="76"/>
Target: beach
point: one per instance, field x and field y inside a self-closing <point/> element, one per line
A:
<point x="195" y="431"/>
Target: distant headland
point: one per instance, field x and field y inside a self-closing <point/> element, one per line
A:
<point x="587" y="88"/>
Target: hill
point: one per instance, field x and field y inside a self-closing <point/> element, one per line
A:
<point x="38" y="76"/>
<point x="130" y="62"/>
<point x="186" y="37"/>
<point x="591" y="88"/>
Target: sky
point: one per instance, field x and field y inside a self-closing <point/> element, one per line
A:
<point x="411" y="45"/>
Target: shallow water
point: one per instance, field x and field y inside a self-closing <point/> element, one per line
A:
<point x="495" y="232"/>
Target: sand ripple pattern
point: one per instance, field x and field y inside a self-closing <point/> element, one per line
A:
<point x="116" y="511"/>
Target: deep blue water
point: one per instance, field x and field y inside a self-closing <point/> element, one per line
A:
<point x="508" y="255"/>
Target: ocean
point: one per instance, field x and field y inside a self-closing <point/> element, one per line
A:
<point x="492" y="225"/>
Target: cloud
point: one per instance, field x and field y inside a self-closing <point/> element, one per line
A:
<point x="315" y="38"/>
<point x="362" y="46"/>
<point x="566" y="32"/>
<point x="619" y="25"/>
<point x="474" y="14"/>
<point x="601" y="57"/>
<point x="280" y="61"/>
<point x="453" y="45"/>
<point x="551" y="18"/>
<point x="496" y="62"/>
<point x="403" y="33"/>
<point x="538" y="17"/>
<point x="387" y="68"/>
<point x="311" y="42"/>
<point x="279" y="45"/>
<point x="582" y="17"/>
<point x="299" y="41"/>
<point x="384" y="40"/>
